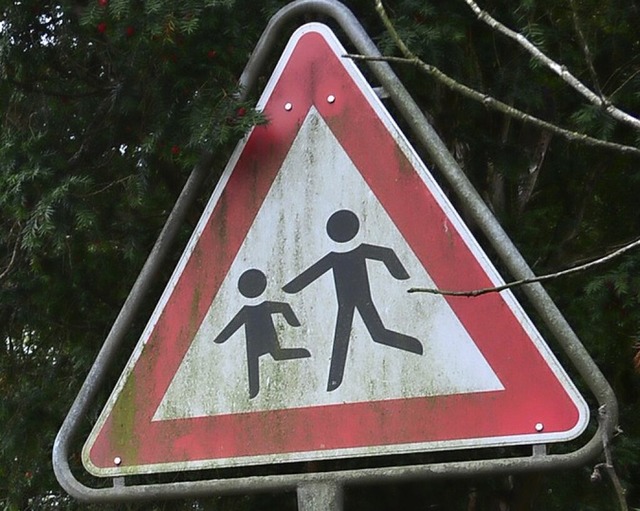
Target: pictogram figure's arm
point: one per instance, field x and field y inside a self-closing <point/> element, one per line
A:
<point x="309" y="275"/>
<point x="237" y="322"/>
<point x="388" y="257"/>
<point x="286" y="310"/>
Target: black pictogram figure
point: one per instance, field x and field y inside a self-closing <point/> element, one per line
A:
<point x="353" y="291"/>
<point x="260" y="334"/>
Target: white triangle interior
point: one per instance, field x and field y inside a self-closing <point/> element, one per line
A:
<point x="287" y="236"/>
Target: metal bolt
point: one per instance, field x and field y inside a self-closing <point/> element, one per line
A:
<point x="288" y="107"/>
<point x="117" y="460"/>
<point x="331" y="98"/>
<point x="539" y="426"/>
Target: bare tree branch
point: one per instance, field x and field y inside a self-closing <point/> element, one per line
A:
<point x="558" y="69"/>
<point x="485" y="99"/>
<point x="541" y="278"/>
<point x="499" y="106"/>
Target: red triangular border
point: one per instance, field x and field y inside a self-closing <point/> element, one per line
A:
<point x="533" y="393"/>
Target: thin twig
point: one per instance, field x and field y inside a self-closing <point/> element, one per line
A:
<point x="106" y="187"/>
<point x="557" y="68"/>
<point x="623" y="84"/>
<point x="532" y="280"/>
<point x="6" y="271"/>
<point x="499" y="106"/>
<point x="585" y="49"/>
<point x="38" y="89"/>
<point x="608" y="462"/>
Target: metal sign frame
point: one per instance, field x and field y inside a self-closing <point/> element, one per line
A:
<point x="324" y="487"/>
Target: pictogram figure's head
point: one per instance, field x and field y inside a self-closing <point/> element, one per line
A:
<point x="252" y="283"/>
<point x="343" y="226"/>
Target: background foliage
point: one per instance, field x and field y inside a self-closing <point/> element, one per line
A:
<point x="106" y="105"/>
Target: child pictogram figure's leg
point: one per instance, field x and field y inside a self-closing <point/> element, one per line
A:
<point x="289" y="353"/>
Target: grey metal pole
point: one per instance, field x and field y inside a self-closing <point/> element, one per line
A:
<point x="320" y="496"/>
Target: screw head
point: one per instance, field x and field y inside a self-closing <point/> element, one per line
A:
<point x="288" y="107"/>
<point x="539" y="426"/>
<point x="331" y="98"/>
<point x="117" y="460"/>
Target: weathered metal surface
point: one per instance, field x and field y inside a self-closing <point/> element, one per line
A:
<point x="481" y="216"/>
<point x="312" y="224"/>
<point x="326" y="496"/>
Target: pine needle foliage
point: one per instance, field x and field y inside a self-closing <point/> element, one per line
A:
<point x="106" y="105"/>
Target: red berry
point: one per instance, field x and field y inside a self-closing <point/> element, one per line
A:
<point x="175" y="149"/>
<point x="103" y="3"/>
<point x="130" y="31"/>
<point x="241" y="112"/>
<point x="102" y="27"/>
<point x="212" y="53"/>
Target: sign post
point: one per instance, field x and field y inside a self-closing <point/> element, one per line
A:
<point x="325" y="496"/>
<point x="286" y="333"/>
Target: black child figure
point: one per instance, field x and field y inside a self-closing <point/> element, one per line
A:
<point x="353" y="291"/>
<point x="260" y="334"/>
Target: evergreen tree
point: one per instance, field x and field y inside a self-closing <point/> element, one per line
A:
<point x="106" y="106"/>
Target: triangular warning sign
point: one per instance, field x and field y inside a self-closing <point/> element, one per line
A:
<point x="286" y="332"/>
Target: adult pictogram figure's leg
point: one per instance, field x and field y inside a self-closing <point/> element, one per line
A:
<point x="253" y="365"/>
<point x="344" y="322"/>
<point x="382" y="335"/>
